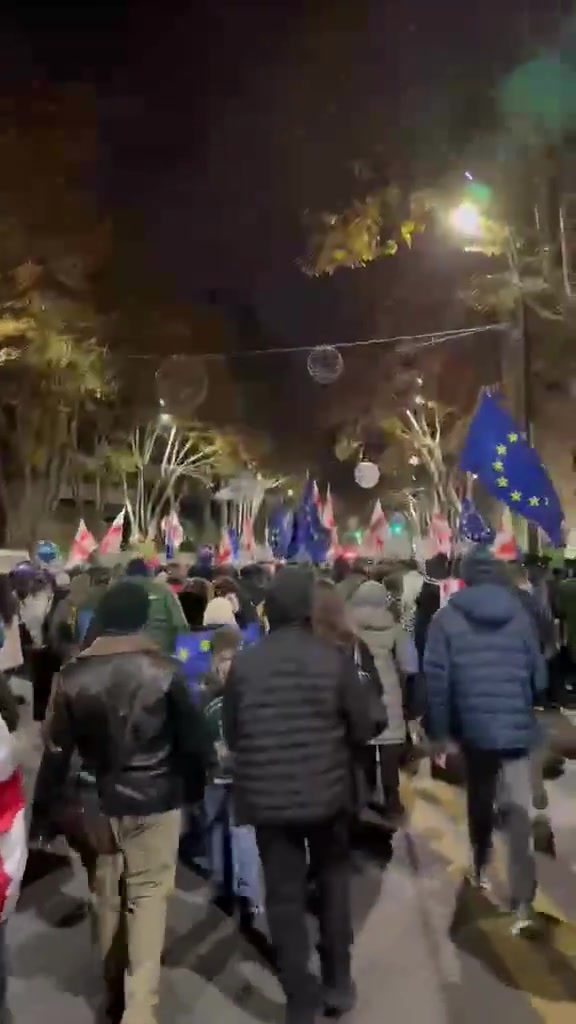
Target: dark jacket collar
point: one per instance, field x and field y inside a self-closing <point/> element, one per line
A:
<point x="132" y="643"/>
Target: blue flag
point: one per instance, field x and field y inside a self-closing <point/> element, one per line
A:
<point x="472" y="526"/>
<point x="310" y="538"/>
<point x="193" y="650"/>
<point x="498" y="453"/>
<point x="280" y="525"/>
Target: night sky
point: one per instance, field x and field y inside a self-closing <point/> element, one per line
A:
<point x="222" y="121"/>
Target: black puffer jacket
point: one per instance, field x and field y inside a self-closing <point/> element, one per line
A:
<point x="294" y="712"/>
<point x="123" y="708"/>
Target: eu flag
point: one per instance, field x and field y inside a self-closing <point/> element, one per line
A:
<point x="280" y="524"/>
<point x="310" y="538"/>
<point x="472" y="526"/>
<point x="509" y="468"/>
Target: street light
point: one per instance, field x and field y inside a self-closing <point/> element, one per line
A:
<point x="466" y="220"/>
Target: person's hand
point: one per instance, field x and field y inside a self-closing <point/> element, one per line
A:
<point x="441" y="758"/>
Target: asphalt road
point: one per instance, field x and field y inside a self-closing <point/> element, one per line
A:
<point x="426" y="950"/>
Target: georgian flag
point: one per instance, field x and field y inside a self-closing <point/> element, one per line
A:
<point x="504" y="547"/>
<point x="247" y="541"/>
<point x="448" y="588"/>
<point x="440" y="534"/>
<point x="227" y="548"/>
<point x="83" y="545"/>
<point x="172" y="532"/>
<point x="13" y="843"/>
<point x="375" y="535"/>
<point x="329" y="521"/>
<point x="112" y="539"/>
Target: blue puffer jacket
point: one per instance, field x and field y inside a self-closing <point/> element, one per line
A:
<point x="484" y="671"/>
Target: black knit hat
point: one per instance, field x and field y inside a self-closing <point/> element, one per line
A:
<point x="123" y="609"/>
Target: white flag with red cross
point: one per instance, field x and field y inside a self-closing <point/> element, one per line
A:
<point x="247" y="540"/>
<point x="374" y="541"/>
<point x="329" y="522"/>
<point x="112" y="539"/>
<point x="504" y="547"/>
<point x="172" y="531"/>
<point x="440" y="534"/>
<point x="83" y="545"/>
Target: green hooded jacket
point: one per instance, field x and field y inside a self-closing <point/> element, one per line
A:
<point x="165" y="616"/>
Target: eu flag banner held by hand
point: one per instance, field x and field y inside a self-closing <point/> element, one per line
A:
<point x="509" y="468"/>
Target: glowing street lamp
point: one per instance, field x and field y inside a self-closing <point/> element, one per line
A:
<point x="466" y="220"/>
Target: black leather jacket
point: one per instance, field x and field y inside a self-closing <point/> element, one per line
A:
<point x="123" y="707"/>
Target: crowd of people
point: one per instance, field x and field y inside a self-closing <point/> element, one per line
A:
<point x="253" y="760"/>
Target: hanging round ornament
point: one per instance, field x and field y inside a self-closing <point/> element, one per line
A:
<point x="366" y="474"/>
<point x="325" y="364"/>
<point x="182" y="385"/>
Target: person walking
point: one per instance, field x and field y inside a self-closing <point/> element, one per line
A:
<point x="294" y="715"/>
<point x="123" y="707"/>
<point x="166" y="620"/>
<point x="484" y="674"/>
<point x="234" y="862"/>
<point x="396" y="661"/>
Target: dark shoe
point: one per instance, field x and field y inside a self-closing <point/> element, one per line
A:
<point x="394" y="816"/>
<point x="340" y="1000"/>
<point x="249" y="915"/>
<point x="300" y="1015"/>
<point x="224" y="903"/>
<point x="543" y="837"/>
<point x="112" y="1010"/>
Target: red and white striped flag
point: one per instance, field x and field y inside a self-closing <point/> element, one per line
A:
<point x="83" y="545"/>
<point x="112" y="539"/>
<point x="375" y="536"/>
<point x="13" y="843"/>
<point x="440" y="534"/>
<point x="329" y="522"/>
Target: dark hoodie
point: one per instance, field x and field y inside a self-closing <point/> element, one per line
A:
<point x="294" y="711"/>
<point x="428" y="600"/>
<point x="483" y="666"/>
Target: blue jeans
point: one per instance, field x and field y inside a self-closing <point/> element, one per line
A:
<point x="234" y="860"/>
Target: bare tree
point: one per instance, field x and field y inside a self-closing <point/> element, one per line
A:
<point x="155" y="462"/>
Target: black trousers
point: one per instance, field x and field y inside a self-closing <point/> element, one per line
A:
<point x="385" y="761"/>
<point x="283" y="854"/>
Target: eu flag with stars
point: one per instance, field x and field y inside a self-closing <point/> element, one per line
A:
<point x="472" y="526"/>
<point x="310" y="538"/>
<point x="509" y="468"/>
<point x="280" y="524"/>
